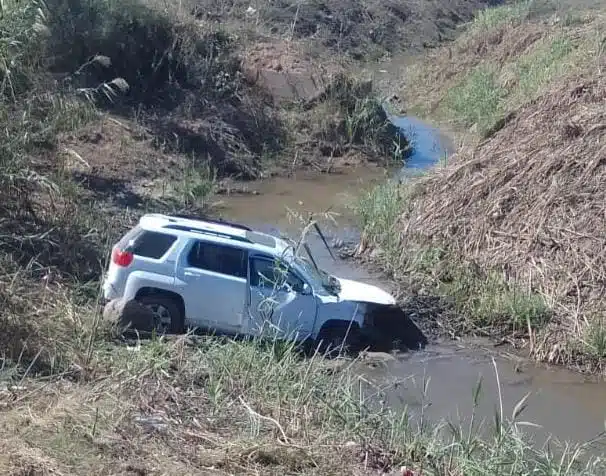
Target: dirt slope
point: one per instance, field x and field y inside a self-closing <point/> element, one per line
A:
<point x="530" y="199"/>
<point x="356" y="28"/>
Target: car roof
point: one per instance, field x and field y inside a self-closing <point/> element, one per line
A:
<point x="215" y="230"/>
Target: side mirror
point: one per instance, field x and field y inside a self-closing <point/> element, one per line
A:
<point x="306" y="290"/>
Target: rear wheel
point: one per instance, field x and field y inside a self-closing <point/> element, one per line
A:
<point x="168" y="318"/>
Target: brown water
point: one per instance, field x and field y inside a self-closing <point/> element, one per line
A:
<point x="565" y="405"/>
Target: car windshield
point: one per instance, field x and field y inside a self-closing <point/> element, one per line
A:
<point x="320" y="276"/>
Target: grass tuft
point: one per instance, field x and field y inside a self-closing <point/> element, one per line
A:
<point x="540" y="67"/>
<point x="495" y="17"/>
<point x="594" y="339"/>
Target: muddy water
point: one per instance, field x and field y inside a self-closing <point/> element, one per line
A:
<point x="566" y="406"/>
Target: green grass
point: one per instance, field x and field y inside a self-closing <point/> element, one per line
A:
<point x="541" y="66"/>
<point x="482" y="99"/>
<point x="254" y="407"/>
<point x="490" y="72"/>
<point x="494" y="17"/>
<point x="488" y="301"/>
<point x="594" y="339"/>
<point x="478" y="99"/>
<point x="378" y="210"/>
<point x="198" y="186"/>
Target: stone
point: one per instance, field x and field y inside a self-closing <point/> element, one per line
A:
<point x="129" y="314"/>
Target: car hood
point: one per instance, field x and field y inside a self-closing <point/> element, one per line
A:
<point x="362" y="292"/>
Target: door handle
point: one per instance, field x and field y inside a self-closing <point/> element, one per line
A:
<point x="191" y="273"/>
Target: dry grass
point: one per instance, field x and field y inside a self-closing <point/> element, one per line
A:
<point x="529" y="201"/>
<point x="509" y="231"/>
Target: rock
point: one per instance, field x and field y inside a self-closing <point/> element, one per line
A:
<point x="129" y="314"/>
<point x="286" y="85"/>
<point x="152" y="422"/>
<point x="378" y="357"/>
<point x="337" y="243"/>
<point x="287" y="74"/>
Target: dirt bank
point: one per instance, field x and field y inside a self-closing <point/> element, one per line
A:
<point x="506" y="232"/>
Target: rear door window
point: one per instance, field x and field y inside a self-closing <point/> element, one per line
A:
<point x="228" y="260"/>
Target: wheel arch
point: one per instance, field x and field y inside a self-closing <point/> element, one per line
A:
<point x="338" y="324"/>
<point x="155" y="291"/>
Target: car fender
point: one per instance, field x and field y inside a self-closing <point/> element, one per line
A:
<point x="344" y="311"/>
<point x="144" y="279"/>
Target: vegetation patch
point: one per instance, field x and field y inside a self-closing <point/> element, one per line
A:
<point x="478" y="99"/>
<point x="194" y="404"/>
<point x="510" y="14"/>
<point x="484" y="302"/>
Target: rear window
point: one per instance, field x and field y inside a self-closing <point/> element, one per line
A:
<point x="151" y="244"/>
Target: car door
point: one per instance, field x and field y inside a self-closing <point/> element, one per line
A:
<point x="214" y="280"/>
<point x="280" y="300"/>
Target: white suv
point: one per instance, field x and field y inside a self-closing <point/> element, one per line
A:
<point x="228" y="278"/>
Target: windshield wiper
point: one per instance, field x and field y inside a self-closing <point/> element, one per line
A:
<point x="317" y="227"/>
<point x="311" y="258"/>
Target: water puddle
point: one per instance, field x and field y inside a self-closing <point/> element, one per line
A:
<point x="440" y="383"/>
<point x="564" y="404"/>
<point x="429" y="145"/>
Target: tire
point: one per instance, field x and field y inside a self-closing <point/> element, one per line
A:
<point x="335" y="340"/>
<point x="170" y="319"/>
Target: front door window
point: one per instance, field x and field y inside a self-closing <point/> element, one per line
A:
<point x="269" y="273"/>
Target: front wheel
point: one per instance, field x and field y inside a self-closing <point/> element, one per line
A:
<point x="334" y="341"/>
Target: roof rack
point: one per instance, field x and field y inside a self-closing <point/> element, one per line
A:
<point x="211" y="220"/>
<point x="202" y="231"/>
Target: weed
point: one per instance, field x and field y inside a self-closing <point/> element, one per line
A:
<point x="573" y="19"/>
<point x="362" y="119"/>
<point x="378" y="211"/>
<point x="199" y="184"/>
<point x="258" y="410"/>
<point x="489" y="300"/>
<point x="594" y="340"/>
<point x="485" y="299"/>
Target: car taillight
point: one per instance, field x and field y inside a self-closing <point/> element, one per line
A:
<point x="122" y="258"/>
